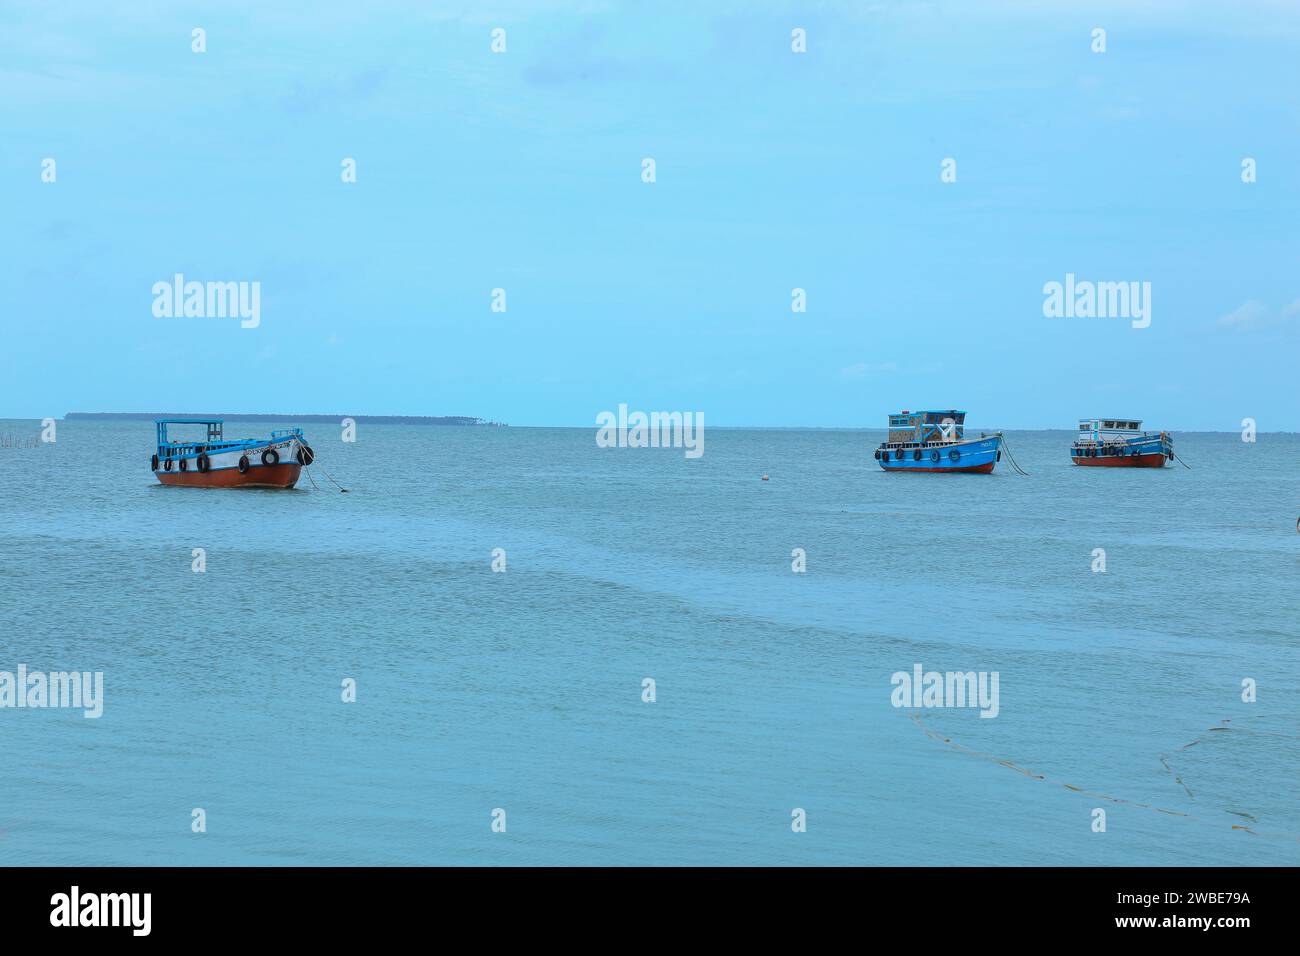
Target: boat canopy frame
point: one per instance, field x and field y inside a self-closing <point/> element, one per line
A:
<point x="214" y="427"/>
<point x="215" y="441"/>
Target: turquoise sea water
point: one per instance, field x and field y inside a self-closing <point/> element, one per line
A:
<point x="523" y="690"/>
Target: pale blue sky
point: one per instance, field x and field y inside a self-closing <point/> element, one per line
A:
<point x="775" y="170"/>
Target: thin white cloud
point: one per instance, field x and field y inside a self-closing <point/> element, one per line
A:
<point x="1253" y="315"/>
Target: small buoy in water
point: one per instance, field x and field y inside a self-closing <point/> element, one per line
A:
<point x="1297" y="523"/>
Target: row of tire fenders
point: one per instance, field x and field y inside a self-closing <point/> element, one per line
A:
<point x="270" y="458"/>
<point x="1115" y="451"/>
<point x="954" y="454"/>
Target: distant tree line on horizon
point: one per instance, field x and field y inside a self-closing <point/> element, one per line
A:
<point x="360" y="419"/>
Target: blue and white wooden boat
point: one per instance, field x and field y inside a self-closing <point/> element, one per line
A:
<point x="1120" y="443"/>
<point x="935" y="440"/>
<point x="218" y="462"/>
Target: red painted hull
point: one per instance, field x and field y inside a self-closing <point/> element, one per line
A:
<point x="284" y="475"/>
<point x="1156" y="460"/>
<point x="972" y="470"/>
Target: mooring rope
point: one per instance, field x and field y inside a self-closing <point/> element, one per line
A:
<point x="1011" y="458"/>
<point x="941" y="738"/>
<point x="336" y="484"/>
<point x="323" y="472"/>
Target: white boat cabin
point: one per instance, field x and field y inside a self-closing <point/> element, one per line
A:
<point x="1102" y="430"/>
<point x="940" y="427"/>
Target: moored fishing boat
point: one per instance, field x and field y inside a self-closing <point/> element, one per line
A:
<point x="216" y="462"/>
<point x="1120" y="443"/>
<point x="936" y="441"/>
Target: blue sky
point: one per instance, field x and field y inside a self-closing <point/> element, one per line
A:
<point x="774" y="170"/>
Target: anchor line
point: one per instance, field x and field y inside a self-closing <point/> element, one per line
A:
<point x="324" y="472"/>
<point x="1042" y="778"/>
<point x="1011" y="458"/>
<point x="336" y="484"/>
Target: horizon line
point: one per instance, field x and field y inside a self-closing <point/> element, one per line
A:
<point x="470" y="421"/>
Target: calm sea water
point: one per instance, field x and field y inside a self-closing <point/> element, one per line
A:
<point x="522" y="690"/>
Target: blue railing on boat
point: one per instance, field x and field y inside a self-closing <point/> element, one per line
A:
<point x="214" y="441"/>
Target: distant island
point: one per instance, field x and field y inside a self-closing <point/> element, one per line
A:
<point x="237" y="417"/>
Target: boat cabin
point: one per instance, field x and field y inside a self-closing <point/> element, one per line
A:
<point x="926" y="427"/>
<point x="1100" y="430"/>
